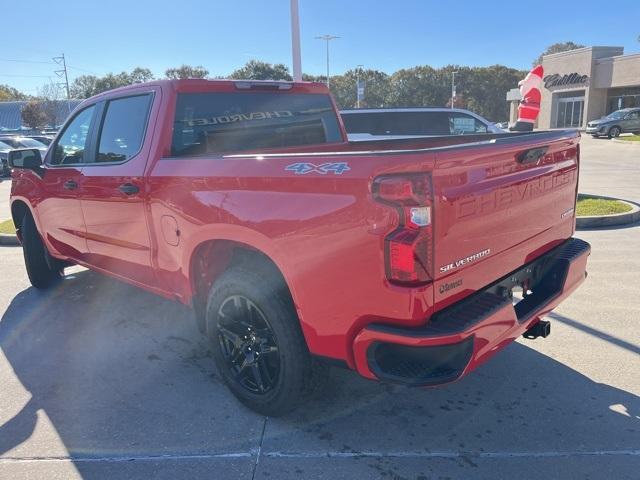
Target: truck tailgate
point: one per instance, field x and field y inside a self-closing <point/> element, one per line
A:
<point x="500" y="197"/>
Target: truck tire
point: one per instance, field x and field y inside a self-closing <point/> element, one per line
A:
<point x="42" y="270"/>
<point x="257" y="342"/>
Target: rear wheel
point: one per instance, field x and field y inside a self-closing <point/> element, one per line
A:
<point x="257" y="342"/>
<point x="42" y="269"/>
<point x="614" y="132"/>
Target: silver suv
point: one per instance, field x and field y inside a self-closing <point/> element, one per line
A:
<point x="390" y="123"/>
<point x="626" y="120"/>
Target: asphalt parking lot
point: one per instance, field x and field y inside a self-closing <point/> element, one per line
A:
<point x="101" y="380"/>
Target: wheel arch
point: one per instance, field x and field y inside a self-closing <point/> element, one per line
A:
<point x="19" y="208"/>
<point x="211" y="258"/>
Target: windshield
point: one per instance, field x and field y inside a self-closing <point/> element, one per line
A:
<point x="4" y="146"/>
<point x="232" y="122"/>
<point x="30" y="143"/>
<point x="619" y="115"/>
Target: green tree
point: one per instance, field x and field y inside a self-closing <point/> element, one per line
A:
<point x="257" y="70"/>
<point x="8" y="94"/>
<point x="83" y="86"/>
<point x="140" y="75"/>
<point x="421" y="86"/>
<point x="186" y="71"/>
<point x="557" y="48"/>
<point x="33" y="114"/>
<point x="86" y="86"/>
<point x="484" y="89"/>
<point x="376" y="90"/>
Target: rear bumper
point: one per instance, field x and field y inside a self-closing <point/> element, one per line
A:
<point x="462" y="336"/>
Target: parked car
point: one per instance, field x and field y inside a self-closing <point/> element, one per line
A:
<point x="390" y="123"/>
<point x="45" y="139"/>
<point x="295" y="247"/>
<point x="4" y="156"/>
<point x="10" y="142"/>
<point x="626" y="120"/>
<point x="22" y="142"/>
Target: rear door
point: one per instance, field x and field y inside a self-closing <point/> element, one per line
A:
<point x="114" y="190"/>
<point x="632" y="123"/>
<point x="59" y="211"/>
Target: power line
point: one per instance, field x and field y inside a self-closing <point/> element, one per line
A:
<point x="23" y="61"/>
<point x="15" y="60"/>
<point x="81" y="69"/>
<point x="25" y="76"/>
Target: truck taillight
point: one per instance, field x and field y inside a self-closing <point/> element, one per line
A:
<point x="409" y="248"/>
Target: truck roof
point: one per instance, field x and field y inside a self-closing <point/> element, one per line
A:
<point x="193" y="84"/>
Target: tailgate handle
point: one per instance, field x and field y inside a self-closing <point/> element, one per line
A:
<point x="533" y="155"/>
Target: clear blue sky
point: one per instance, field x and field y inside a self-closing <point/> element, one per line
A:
<point x="223" y="35"/>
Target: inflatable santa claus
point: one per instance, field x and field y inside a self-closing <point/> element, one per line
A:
<point x="529" y="107"/>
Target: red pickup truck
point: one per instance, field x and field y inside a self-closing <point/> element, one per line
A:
<point x="410" y="261"/>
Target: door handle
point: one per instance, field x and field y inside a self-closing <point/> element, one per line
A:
<point x="70" y="185"/>
<point x="128" y="188"/>
<point x="532" y="155"/>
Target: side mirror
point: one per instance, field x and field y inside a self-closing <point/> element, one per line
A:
<point x="26" y="159"/>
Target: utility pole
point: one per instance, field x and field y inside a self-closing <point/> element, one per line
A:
<point x="453" y="87"/>
<point x="358" y="86"/>
<point x="63" y="73"/>
<point x="295" y="42"/>
<point x="327" y="38"/>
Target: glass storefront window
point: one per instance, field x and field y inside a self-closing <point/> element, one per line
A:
<point x="622" y="101"/>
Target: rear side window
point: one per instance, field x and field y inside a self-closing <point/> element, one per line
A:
<point x="232" y="122"/>
<point x="397" y="123"/>
<point x="462" y="124"/>
<point x="122" y="133"/>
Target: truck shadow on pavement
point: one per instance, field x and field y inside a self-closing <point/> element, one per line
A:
<point x="122" y="373"/>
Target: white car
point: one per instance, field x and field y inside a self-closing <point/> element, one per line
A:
<point x="390" y="123"/>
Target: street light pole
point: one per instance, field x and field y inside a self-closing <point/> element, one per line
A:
<point x="358" y="71"/>
<point x="295" y="42"/>
<point x="327" y="38"/>
<point x="453" y="87"/>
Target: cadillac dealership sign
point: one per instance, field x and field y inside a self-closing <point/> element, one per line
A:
<point x="557" y="80"/>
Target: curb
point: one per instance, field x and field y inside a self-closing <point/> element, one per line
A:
<point x="11" y="240"/>
<point x="626" y="142"/>
<point x="610" y="220"/>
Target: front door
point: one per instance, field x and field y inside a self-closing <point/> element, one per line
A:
<point x="570" y="112"/>
<point x="113" y="192"/>
<point x="59" y="212"/>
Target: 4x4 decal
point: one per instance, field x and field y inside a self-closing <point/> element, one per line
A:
<point x="302" y="168"/>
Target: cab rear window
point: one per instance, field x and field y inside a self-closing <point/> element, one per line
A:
<point x="207" y="123"/>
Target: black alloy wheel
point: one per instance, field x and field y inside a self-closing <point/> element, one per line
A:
<point x="257" y="341"/>
<point x="248" y="345"/>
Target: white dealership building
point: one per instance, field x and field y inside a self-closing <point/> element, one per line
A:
<point x="585" y="84"/>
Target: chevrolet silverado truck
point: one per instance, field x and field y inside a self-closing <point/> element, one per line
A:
<point x="410" y="261"/>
